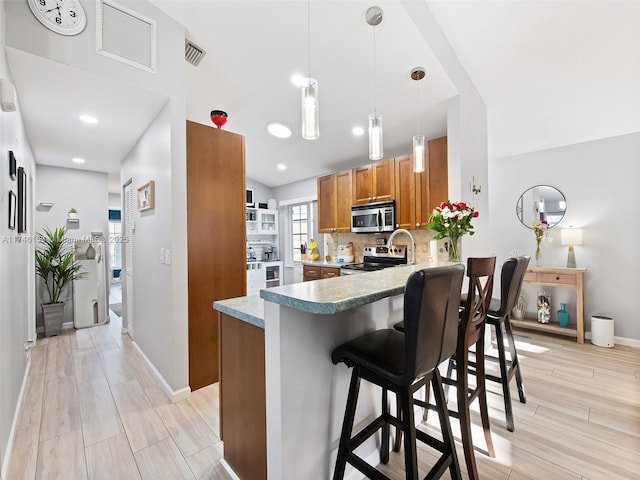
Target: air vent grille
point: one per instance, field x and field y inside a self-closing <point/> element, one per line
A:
<point x="126" y="36"/>
<point x="193" y="53"/>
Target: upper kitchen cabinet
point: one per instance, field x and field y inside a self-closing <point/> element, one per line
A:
<point x="417" y="194"/>
<point x="334" y="202"/>
<point x="406" y="181"/>
<point x="432" y="185"/>
<point x="374" y="182"/>
<point x="215" y="239"/>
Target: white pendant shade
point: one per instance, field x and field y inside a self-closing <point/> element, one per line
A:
<point x="418" y="153"/>
<point x="310" y="113"/>
<point x="375" y="137"/>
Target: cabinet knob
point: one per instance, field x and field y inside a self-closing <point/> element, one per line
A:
<point x="331" y="274"/>
<point x="417" y="224"/>
<point x="557" y="278"/>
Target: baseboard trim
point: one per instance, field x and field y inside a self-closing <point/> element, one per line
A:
<point x="627" y="342"/>
<point x="16" y="416"/>
<point x="229" y="470"/>
<point x="174" y="395"/>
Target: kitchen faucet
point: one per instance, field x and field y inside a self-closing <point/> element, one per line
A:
<point x="412" y="245"/>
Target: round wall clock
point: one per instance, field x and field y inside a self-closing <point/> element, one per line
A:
<point x="66" y="17"/>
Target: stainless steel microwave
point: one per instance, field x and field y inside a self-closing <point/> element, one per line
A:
<point x="373" y="217"/>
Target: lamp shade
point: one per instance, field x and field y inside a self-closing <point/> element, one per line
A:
<point x="571" y="236"/>
<point x="310" y="115"/>
<point x="418" y="153"/>
<point x="375" y="137"/>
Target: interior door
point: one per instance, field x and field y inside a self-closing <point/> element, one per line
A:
<point x="127" y="258"/>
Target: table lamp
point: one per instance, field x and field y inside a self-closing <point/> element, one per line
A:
<point x="571" y="237"/>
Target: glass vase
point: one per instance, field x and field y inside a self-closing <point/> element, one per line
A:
<point x="563" y="315"/>
<point x="544" y="307"/>
<point x="454" y="249"/>
<point x="538" y="254"/>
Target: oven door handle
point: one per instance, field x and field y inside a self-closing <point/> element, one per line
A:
<point x="379" y="220"/>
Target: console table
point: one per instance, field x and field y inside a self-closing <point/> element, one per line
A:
<point x="557" y="277"/>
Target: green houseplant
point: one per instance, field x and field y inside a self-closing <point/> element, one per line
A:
<point x="56" y="267"/>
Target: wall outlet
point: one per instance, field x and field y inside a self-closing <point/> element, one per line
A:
<point x="167" y="257"/>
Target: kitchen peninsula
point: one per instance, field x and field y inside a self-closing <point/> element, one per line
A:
<point x="281" y="398"/>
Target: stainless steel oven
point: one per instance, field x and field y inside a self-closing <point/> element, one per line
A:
<point x="373" y="217"/>
<point x="377" y="257"/>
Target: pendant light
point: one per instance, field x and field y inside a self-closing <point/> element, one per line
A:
<point x="374" y="18"/>
<point x="418" y="74"/>
<point x="310" y="114"/>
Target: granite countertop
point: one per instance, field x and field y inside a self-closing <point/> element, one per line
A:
<point x="327" y="296"/>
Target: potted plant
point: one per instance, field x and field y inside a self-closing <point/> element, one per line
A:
<point x="73" y="214"/>
<point x="56" y="267"/>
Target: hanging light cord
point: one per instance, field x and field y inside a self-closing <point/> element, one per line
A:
<point x="418" y="102"/>
<point x="309" y="34"/>
<point x="375" y="86"/>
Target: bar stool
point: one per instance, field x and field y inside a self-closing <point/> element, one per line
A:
<point x="403" y="363"/>
<point x="471" y="327"/>
<point x="511" y="277"/>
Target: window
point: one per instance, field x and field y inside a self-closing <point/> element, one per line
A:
<point x="300" y="228"/>
<point x="115" y="242"/>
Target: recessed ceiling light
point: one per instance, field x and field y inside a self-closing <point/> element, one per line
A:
<point x="279" y="130"/>
<point x="358" y="131"/>
<point x="298" y="80"/>
<point x="78" y="160"/>
<point x="88" y="119"/>
<point x="282" y="166"/>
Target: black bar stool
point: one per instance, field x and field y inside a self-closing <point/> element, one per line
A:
<point x="480" y="272"/>
<point x="511" y="277"/>
<point x="403" y="363"/>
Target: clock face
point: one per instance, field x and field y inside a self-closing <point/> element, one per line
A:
<point x="66" y="17"/>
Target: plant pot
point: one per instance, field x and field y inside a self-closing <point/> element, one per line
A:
<point x="52" y="316"/>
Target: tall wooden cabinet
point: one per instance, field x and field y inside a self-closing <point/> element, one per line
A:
<point x="417" y="194"/>
<point x="334" y="202"/>
<point x="216" y="236"/>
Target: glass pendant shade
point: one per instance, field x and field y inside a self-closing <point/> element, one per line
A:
<point x="310" y="115"/>
<point x="375" y="137"/>
<point x="418" y="153"/>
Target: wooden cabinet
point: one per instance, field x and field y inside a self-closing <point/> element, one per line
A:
<point x="374" y="182"/>
<point x="417" y="194"/>
<point x="432" y="185"/>
<point x="312" y="272"/>
<point x="405" y="193"/>
<point x="557" y="277"/>
<point x="334" y="202"/>
<point x="216" y="259"/>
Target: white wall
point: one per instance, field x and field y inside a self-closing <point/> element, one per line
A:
<point x="261" y="192"/>
<point x="150" y="159"/>
<point x="599" y="180"/>
<point x="115" y="201"/>
<point x="67" y="188"/>
<point x="16" y="260"/>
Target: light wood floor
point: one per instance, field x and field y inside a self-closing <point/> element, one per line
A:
<point x="581" y="420"/>
<point x="93" y="410"/>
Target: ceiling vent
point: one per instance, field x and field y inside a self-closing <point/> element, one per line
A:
<point x="193" y="53"/>
<point x="126" y="36"/>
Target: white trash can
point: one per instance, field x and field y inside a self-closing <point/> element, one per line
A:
<point x="602" y="331"/>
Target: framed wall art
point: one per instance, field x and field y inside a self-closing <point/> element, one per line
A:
<point x="146" y="196"/>
<point x="12" y="210"/>
<point x="12" y="165"/>
<point x="22" y="200"/>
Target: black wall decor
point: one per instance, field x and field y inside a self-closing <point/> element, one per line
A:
<point x="22" y="200"/>
<point x="12" y="165"/>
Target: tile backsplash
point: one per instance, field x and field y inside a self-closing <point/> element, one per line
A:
<point x="420" y="237"/>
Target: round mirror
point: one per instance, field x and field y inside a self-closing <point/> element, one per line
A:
<point x="541" y="202"/>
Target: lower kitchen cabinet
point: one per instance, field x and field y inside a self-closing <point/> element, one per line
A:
<point x="311" y="272"/>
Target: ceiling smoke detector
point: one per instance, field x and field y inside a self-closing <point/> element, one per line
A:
<point x="374" y="16"/>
